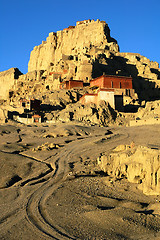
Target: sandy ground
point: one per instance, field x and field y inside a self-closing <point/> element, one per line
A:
<point x="51" y="187"/>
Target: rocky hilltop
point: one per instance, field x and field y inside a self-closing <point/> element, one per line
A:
<point x="82" y="52"/>
<point x="81" y="174"/>
<point x="8" y="80"/>
<point x="74" y="50"/>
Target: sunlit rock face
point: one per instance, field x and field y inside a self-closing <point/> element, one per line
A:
<point x="86" y="51"/>
<point x="82" y="52"/>
<point x="139" y="165"/>
<point x="7" y="81"/>
<point x="74" y="50"/>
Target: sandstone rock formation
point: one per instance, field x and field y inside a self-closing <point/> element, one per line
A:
<point x="151" y="110"/>
<point x="136" y="163"/>
<point x="102" y="114"/>
<point x="145" y="73"/>
<point x="84" y="51"/>
<point x="8" y="80"/>
<point x="147" y="114"/>
<point x="72" y="52"/>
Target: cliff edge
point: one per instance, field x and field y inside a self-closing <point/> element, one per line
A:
<point x="74" y="49"/>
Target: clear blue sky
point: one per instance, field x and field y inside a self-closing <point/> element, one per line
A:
<point x="135" y="24"/>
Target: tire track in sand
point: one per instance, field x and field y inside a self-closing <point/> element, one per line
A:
<point x="36" y="213"/>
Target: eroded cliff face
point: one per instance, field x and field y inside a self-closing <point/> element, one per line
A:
<point x="81" y="52"/>
<point x="139" y="165"/>
<point x="8" y="81"/>
<point x="145" y="74"/>
<point x="86" y="51"/>
<point x="73" y="51"/>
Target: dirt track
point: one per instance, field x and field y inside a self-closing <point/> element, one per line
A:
<point x="58" y="193"/>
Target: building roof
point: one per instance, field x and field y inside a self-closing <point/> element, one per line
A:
<point x="36" y="116"/>
<point x="117" y="76"/>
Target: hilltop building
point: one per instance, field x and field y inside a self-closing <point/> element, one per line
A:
<point x="72" y="84"/>
<point x="112" y="89"/>
<point x="76" y="57"/>
<point x="120" y="83"/>
<point x="101" y="95"/>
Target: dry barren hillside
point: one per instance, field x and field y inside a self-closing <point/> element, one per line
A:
<point x="70" y="181"/>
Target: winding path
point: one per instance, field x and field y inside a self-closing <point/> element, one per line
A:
<point x="33" y="208"/>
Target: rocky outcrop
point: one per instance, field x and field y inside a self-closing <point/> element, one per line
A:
<point x="84" y="51"/>
<point x="139" y="165"/>
<point x="101" y="114"/>
<point x="6" y="110"/>
<point x="29" y="84"/>
<point x="72" y="52"/>
<point x="150" y="110"/>
<point x="145" y="73"/>
<point x="148" y="114"/>
<point x="8" y="81"/>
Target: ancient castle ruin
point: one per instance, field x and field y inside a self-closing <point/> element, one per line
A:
<point x="87" y="59"/>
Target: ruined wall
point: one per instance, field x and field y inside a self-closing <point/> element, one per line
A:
<point x="142" y="122"/>
<point x="84" y="71"/>
<point x="2" y="116"/>
<point x="8" y="81"/>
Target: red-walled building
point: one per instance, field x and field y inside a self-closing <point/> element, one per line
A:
<point x="72" y="84"/>
<point x="105" y="81"/>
